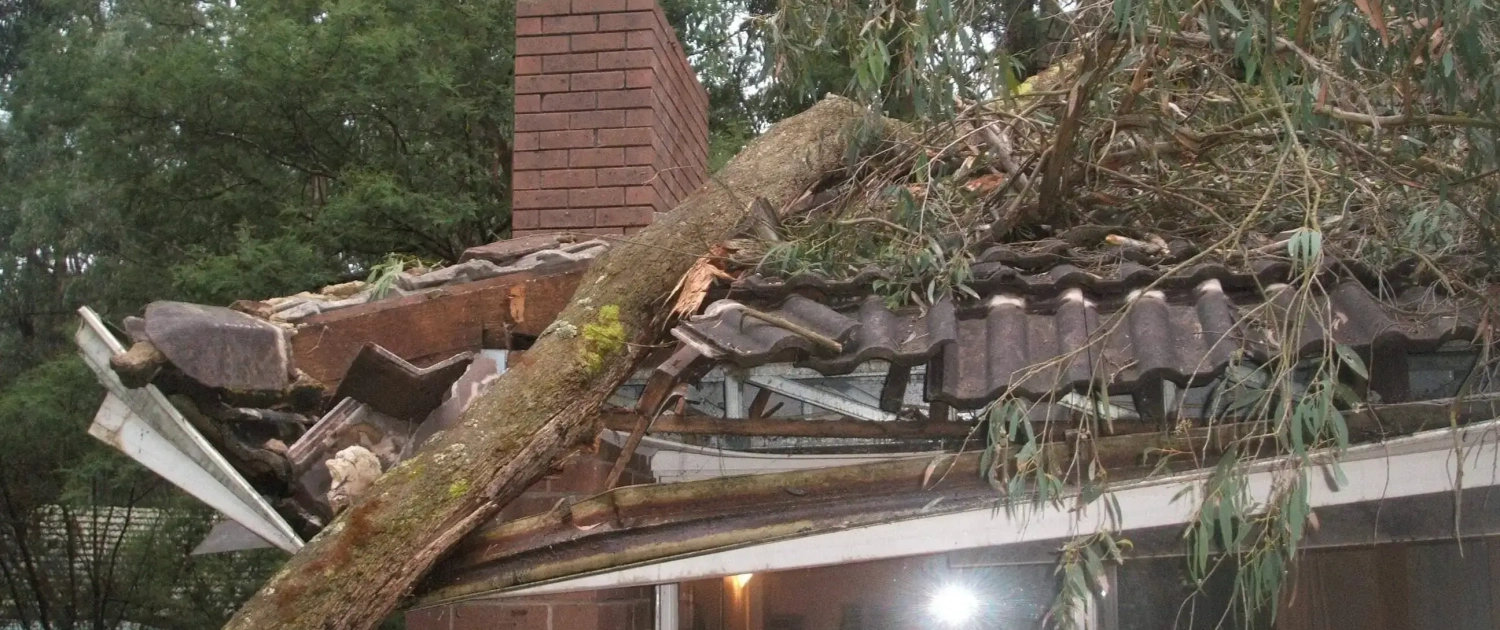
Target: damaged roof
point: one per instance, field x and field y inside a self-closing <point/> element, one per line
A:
<point x="1044" y="333"/>
<point x="285" y="388"/>
<point x="343" y="386"/>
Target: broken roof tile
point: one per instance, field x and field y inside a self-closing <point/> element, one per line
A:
<point x="219" y="347"/>
<point x="1040" y="347"/>
<point x="508" y="251"/>
<point x="1004" y="268"/>
<point x="392" y="386"/>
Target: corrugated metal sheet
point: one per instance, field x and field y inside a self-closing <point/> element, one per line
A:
<point x="1040" y="343"/>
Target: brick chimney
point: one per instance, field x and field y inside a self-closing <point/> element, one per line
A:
<point x="611" y="122"/>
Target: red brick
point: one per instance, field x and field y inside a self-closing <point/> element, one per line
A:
<point x="541" y="122"/>
<point x="622" y="99"/>
<point x="601" y="231"/>
<point x="528" y="65"/>
<point x="487" y="616"/>
<point x="567" y="218"/>
<point x="628" y="136"/>
<point x="588" y="197"/>
<point x="561" y="64"/>
<point x="639" y="118"/>
<point x="568" y="101"/>
<point x="623" y="59"/>
<point x="575" y="616"/>
<point x="628" y="176"/>
<point x="598" y="6"/>
<point x="529" y="141"/>
<point x="533" y="199"/>
<point x="639" y="20"/>
<point x="526" y="180"/>
<point x="565" y="24"/>
<point x="641" y="39"/>
<point x="568" y="139"/>
<point x="594" y="158"/>
<point x="540" y="160"/>
<point x="598" y="81"/>
<point x="638" y="156"/>
<point x="639" y="196"/>
<point x="529" y="26"/>
<point x="543" y="45"/>
<point x="624" y="616"/>
<point x="596" y="120"/>
<point x="640" y="78"/>
<point x="538" y="84"/>
<point x="528" y="8"/>
<point x="571" y="178"/>
<point x="640" y="5"/>
<point x="528" y="103"/>
<point x="623" y="216"/>
<point x="525" y="219"/>
<point x="598" y="41"/>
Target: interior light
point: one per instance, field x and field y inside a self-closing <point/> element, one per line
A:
<point x="954" y="605"/>
<point x="742" y="579"/>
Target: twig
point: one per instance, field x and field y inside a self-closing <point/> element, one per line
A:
<point x="794" y="328"/>
<point x="1403" y="120"/>
<point x="1153" y="188"/>
<point x="1002" y="153"/>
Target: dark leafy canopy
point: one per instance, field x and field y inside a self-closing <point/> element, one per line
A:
<point x="208" y="151"/>
<point x="1304" y="130"/>
<point x="87" y="538"/>
<point x="220" y="150"/>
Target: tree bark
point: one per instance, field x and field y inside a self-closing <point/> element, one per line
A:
<point x="355" y="573"/>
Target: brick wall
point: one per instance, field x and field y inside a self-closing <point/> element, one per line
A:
<point x="617" y="609"/>
<point x="611" y="122"/>
<point x="581" y="476"/>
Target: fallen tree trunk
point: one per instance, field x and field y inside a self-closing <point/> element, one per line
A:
<point x="358" y="569"/>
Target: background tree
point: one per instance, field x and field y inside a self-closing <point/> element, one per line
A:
<point x="206" y="151"/>
<point x="90" y="540"/>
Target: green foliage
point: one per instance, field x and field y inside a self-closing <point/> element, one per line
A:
<point x="220" y="150"/>
<point x="910" y="58"/>
<point x="1082" y="576"/>
<point x="208" y="152"/>
<point x="64" y="509"/>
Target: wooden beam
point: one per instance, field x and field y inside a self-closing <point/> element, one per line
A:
<point x="893" y="392"/>
<point x="432" y="326"/>
<point x="817" y="426"/>
<point x="685" y="362"/>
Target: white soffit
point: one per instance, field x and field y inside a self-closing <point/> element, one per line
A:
<point x="145" y="427"/>
<point x="1425" y="463"/>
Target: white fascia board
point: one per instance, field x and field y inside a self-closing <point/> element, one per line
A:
<point x="143" y="425"/>
<point x="1422" y="464"/>
<point x="675" y="462"/>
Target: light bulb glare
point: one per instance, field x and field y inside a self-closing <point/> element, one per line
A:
<point x="954" y="605"/>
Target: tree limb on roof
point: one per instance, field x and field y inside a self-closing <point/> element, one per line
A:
<point x="357" y="571"/>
